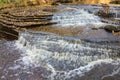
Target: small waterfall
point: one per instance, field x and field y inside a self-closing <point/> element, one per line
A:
<point x="117" y="15"/>
<point x="116" y="11"/>
<point x="76" y="17"/>
<point x="62" y="56"/>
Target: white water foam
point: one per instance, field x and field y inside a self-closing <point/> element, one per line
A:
<point x="82" y="70"/>
<point x="63" y="58"/>
<point x="76" y="17"/>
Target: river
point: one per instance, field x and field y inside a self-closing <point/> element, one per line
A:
<point x="41" y="54"/>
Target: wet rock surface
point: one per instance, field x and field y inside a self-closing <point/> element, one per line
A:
<point x="59" y="57"/>
<point x="14" y="62"/>
<point x="11" y="68"/>
<point x="48" y="56"/>
<point x="112" y="28"/>
<point x="36" y="16"/>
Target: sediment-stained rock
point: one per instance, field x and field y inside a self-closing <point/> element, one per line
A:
<point x="112" y="28"/>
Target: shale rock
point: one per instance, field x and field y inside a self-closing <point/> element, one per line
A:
<point x="25" y="17"/>
<point x="12" y="20"/>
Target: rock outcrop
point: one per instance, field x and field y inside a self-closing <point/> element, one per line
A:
<point x="12" y="20"/>
<point x="112" y="28"/>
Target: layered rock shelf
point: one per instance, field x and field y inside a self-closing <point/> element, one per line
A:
<point x="111" y="21"/>
<point x="14" y="19"/>
<point x="24" y="18"/>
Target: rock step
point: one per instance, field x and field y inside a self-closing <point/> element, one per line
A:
<point x="12" y="20"/>
<point x="31" y="16"/>
<point x="27" y="17"/>
<point x="9" y="30"/>
<point x="23" y="24"/>
<point x="112" y="28"/>
<point x="25" y="11"/>
<point x="8" y="33"/>
<point x="15" y="19"/>
<point x="111" y="21"/>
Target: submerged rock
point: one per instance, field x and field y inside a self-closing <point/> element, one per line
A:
<point x="105" y="11"/>
<point x="111" y="28"/>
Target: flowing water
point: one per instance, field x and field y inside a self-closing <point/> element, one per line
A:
<point x="76" y="16"/>
<point x="49" y="56"/>
<point x="80" y="18"/>
<point x="65" y="58"/>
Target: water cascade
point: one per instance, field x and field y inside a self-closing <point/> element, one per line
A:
<point x="64" y="58"/>
<point x="76" y="17"/>
<point x="48" y="56"/>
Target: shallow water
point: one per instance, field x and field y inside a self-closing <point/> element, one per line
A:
<point x="75" y="16"/>
<point x="47" y="56"/>
<point x="66" y="55"/>
<point x="78" y="21"/>
<point x="66" y="58"/>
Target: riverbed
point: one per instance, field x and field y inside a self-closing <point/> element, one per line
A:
<point x="68" y="50"/>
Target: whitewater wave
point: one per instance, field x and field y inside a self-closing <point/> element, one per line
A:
<point x="65" y="58"/>
<point x="76" y="17"/>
